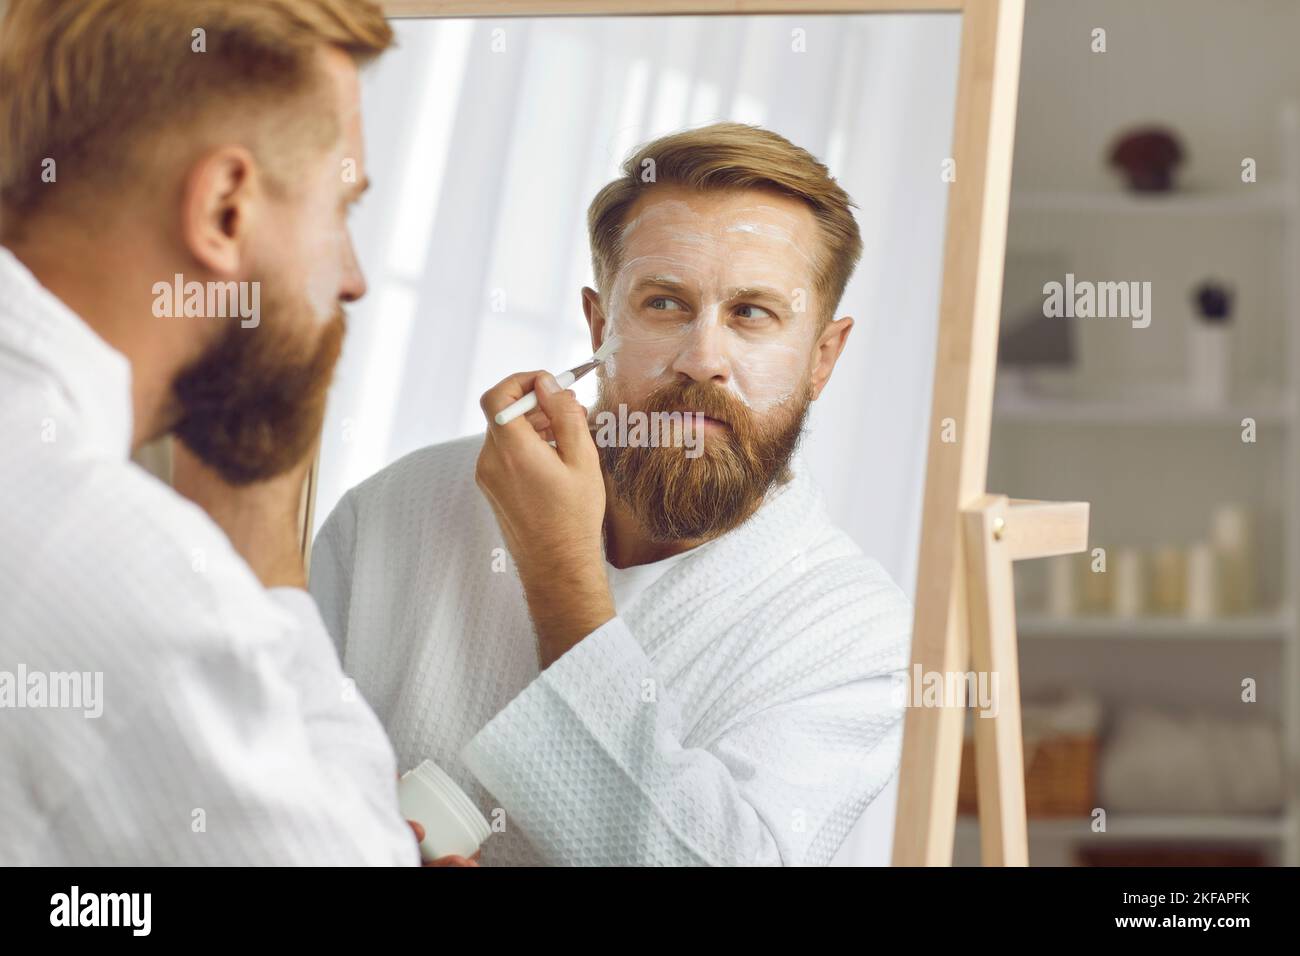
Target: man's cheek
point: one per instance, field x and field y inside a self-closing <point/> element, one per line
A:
<point x="324" y="276"/>
<point x="639" y="362"/>
<point x="766" y="374"/>
<point x="321" y="249"/>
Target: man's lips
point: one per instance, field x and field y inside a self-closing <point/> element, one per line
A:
<point x="705" y="418"/>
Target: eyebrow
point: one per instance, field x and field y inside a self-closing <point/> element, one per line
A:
<point x="739" y="292"/>
<point x="657" y="281"/>
<point x="757" y="292"/>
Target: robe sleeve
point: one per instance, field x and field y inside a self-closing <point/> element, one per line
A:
<point x="590" y="761"/>
<point x="346" y="738"/>
<point x="229" y="759"/>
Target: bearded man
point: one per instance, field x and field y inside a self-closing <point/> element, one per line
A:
<point x="702" y="672"/>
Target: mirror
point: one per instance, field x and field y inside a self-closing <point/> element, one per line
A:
<point x="762" y="723"/>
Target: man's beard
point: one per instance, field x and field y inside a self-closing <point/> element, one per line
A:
<point x="253" y="404"/>
<point x="677" y="498"/>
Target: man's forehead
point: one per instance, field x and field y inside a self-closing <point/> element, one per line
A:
<point x="666" y="272"/>
<point x="344" y="81"/>
<point x="722" y="229"/>
<point x="745" y="242"/>
<point x="716" y="211"/>
<point x="342" y="70"/>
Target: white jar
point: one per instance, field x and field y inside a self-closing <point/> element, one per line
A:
<point x="1129" y="588"/>
<point x="1209" y="358"/>
<point x="1062" y="600"/>
<point x="453" y="826"/>
<point x="1202" y="583"/>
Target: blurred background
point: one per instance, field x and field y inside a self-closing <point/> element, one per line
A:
<point x="1162" y="665"/>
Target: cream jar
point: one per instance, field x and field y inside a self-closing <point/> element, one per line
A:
<point x="453" y="826"/>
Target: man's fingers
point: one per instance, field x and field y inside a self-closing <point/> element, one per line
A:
<point x="418" y="830"/>
<point x="559" y="419"/>
<point x="537" y="418"/>
<point x="568" y="420"/>
<point x="506" y="392"/>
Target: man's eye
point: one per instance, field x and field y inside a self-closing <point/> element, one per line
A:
<point x="664" y="304"/>
<point x="754" y="313"/>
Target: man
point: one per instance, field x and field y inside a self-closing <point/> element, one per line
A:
<point x="701" y="671"/>
<point x="169" y="695"/>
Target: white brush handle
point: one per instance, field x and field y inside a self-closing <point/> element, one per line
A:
<point x="526" y="404"/>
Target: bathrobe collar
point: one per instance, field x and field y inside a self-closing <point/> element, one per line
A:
<point x="714" y="576"/>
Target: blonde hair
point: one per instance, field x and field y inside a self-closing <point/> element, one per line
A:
<point x="90" y="84"/>
<point x="731" y="156"/>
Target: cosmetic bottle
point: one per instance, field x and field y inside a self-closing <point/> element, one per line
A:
<point x="1230" y="535"/>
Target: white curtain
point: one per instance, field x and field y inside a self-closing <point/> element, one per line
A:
<point x="487" y="139"/>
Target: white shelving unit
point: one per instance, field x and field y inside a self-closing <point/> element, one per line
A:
<point x="1245" y="828"/>
<point x="1020" y="415"/>
<point x="1267" y="408"/>
<point x="1264" y="626"/>
<point x="1263" y="201"/>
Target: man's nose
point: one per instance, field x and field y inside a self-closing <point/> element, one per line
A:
<point x="703" y="356"/>
<point x="353" y="286"/>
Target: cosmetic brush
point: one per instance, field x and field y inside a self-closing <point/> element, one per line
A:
<point x="564" y="380"/>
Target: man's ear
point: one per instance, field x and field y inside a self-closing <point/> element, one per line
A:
<point x="591" y="308"/>
<point x="217" y="208"/>
<point x="829" y="346"/>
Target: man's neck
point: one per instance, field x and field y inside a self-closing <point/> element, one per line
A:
<point x="88" y="277"/>
<point x="626" y="542"/>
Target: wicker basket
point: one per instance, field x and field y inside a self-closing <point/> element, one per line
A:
<point x="1060" y="777"/>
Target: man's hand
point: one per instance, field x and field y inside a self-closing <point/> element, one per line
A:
<point x="418" y="830"/>
<point x="550" y="503"/>
<point x="261" y="519"/>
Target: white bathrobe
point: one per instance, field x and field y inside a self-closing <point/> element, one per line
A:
<point x="739" y="711"/>
<point x="218" y="729"/>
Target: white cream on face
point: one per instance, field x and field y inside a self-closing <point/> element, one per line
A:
<point x="708" y="286"/>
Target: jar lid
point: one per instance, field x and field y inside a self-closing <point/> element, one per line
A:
<point x="456" y="800"/>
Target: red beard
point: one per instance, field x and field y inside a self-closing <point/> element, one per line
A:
<point x="253" y="405"/>
<point x="678" y="498"/>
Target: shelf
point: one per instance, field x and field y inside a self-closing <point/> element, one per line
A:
<point x="1156" y="827"/>
<point x="1166" y="409"/>
<point x="1267" y="626"/>
<point x="1139" y="399"/>
<point x="1249" y="199"/>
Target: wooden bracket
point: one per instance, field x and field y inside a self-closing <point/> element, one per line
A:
<point x="998" y="531"/>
